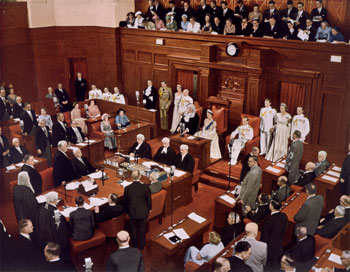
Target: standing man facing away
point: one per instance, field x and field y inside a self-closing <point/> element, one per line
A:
<point x="295" y="152"/>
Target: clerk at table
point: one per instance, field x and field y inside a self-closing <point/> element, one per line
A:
<point x="140" y="148"/>
<point x="81" y="165"/>
<point x="184" y="160"/>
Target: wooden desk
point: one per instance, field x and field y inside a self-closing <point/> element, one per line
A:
<point x="198" y="149"/>
<point x="328" y="189"/>
<point x="269" y="177"/>
<point x="169" y="257"/>
<point x="324" y="262"/>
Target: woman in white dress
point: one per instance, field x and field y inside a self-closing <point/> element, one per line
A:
<point x="209" y="132"/>
<point x="281" y="132"/>
<point x="176" y="113"/>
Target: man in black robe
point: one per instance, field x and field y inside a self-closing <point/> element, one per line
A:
<point x="80" y="86"/>
<point x="140" y="149"/>
<point x="81" y="165"/>
<point x="34" y="175"/>
<point x="235" y="227"/>
<point x="184" y="160"/>
<point x="190" y="120"/>
<point x="165" y="153"/>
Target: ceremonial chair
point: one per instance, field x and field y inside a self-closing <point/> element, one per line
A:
<point x="78" y="247"/>
<point x="199" y="111"/>
<point x="220" y="115"/>
<point x="12" y="186"/>
<point x="111" y="227"/>
<point x="47" y="179"/>
<point x="16" y="132"/>
<point x="155" y="143"/>
<point x="158" y="201"/>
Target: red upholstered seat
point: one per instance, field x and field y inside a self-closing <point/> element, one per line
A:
<point x="15" y="131"/>
<point x="78" y="246"/>
<point x="47" y="179"/>
<point x="155" y="144"/>
<point x="199" y="110"/>
<point x="12" y="185"/>
<point x="158" y="201"/>
<point x="220" y="119"/>
<point x="67" y="117"/>
<point x="321" y="244"/>
<point x="111" y="227"/>
<point x="296" y="188"/>
<point x="196" y="174"/>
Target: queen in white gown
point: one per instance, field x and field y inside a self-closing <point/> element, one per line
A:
<point x="279" y="146"/>
<point x="209" y="132"/>
<point x="176" y="113"/>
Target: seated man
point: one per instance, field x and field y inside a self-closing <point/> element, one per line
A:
<point x="29" y="120"/>
<point x="261" y="211"/>
<point x="59" y="130"/>
<point x="304" y="249"/>
<point x="17" y="151"/>
<point x="245" y="133"/>
<point x="184" y="160"/>
<point x="165" y="153"/>
<point x="81" y="222"/>
<point x="53" y="262"/>
<point x="272" y="29"/>
<point x="308" y="176"/>
<point x="155" y="185"/>
<point x="75" y="135"/>
<point x="331" y="227"/>
<point x="112" y="210"/>
<point x="336" y="36"/>
<point x="63" y="99"/>
<point x="235" y="227"/>
<point x="80" y="164"/>
<point x="4" y="150"/>
<point x="344" y="201"/>
<point x="322" y="164"/>
<point x="140" y="148"/>
<point x="34" y="175"/>
<point x="283" y="191"/>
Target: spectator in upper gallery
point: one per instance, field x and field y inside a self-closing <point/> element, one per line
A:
<point x="130" y="19"/>
<point x="290" y="33"/>
<point x="148" y="24"/>
<point x="17" y="151"/>
<point x="18" y="107"/>
<point x="234" y="228"/>
<point x="11" y="98"/>
<point x="53" y="262"/>
<point x="215" y="11"/>
<point x="193" y="26"/>
<point x="59" y="130"/>
<point x="34" y="175"/>
<point x="29" y="119"/>
<point x="207" y="28"/>
<point x="44" y="116"/>
<point x="51" y="95"/>
<point x="107" y="95"/>
<point x="324" y="32"/>
<point x="257" y="29"/>
<point x="140" y="149"/>
<point x="117" y="97"/>
<point x="201" y="12"/>
<point x="257" y="212"/>
<point x="217" y="27"/>
<point x="283" y="191"/>
<point x="171" y="23"/>
<point x="221" y="264"/>
<point x="302" y="15"/>
<point x="95" y="93"/>
<point x="309" y="30"/>
<point x="184" y="22"/>
<point x="304" y="249"/>
<point x="230" y="28"/>
<point x="158" y="10"/>
<point x="241" y="11"/>
<point x="150" y="96"/>
<point x="155" y="185"/>
<point x="4" y="150"/>
<point x="158" y="22"/>
<point x="242" y="252"/>
<point x="81" y="165"/>
<point x="184" y="160"/>
<point x="175" y="12"/>
<point x="272" y="11"/>
<point x="188" y="10"/>
<point x="273" y="29"/>
<point x="255" y="14"/>
<point x="322" y="164"/>
<point x="344" y="201"/>
<point x="75" y="134"/>
<point x="165" y="153"/>
<point x="93" y="110"/>
<point x="336" y="36"/>
<point x="245" y="166"/>
<point x="245" y="28"/>
<point x="43" y="141"/>
<point x="330" y="228"/>
<point x="121" y="120"/>
<point x="227" y="13"/>
<point x="290" y="13"/>
<point x="308" y="176"/>
<point x="63" y="98"/>
<point x="111" y="211"/>
<point x="138" y="20"/>
<point x="207" y="252"/>
<point x="318" y="14"/>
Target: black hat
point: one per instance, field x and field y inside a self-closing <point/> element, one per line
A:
<point x="121" y="109"/>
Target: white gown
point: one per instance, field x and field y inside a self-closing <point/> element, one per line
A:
<point x="176" y="113"/>
<point x="210" y="134"/>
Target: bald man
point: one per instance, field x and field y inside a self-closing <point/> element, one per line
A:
<point x="126" y="258"/>
<point x="283" y="191"/>
<point x="304" y="249"/>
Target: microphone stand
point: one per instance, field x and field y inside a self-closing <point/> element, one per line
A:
<point x="103" y="178"/>
<point x="172" y="198"/>
<point x="88" y="140"/>
<point x="65" y="192"/>
<point x="229" y="168"/>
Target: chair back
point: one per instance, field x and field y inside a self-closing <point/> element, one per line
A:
<point x="47" y="179"/>
<point x="321" y="244"/>
<point x="220" y="117"/>
<point x="111" y="227"/>
<point x="254" y="122"/>
<point x="158" y="201"/>
<point x="67" y="117"/>
<point x="12" y="186"/>
<point x="15" y="131"/>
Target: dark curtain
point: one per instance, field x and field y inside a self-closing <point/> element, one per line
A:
<point x="293" y="95"/>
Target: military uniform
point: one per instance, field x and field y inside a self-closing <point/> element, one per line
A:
<point x="267" y="116"/>
<point x="301" y="123"/>
<point x="118" y="98"/>
<point x="165" y="100"/>
<point x="245" y="134"/>
<point x="95" y="94"/>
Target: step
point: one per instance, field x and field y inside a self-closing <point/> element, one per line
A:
<point x="217" y="182"/>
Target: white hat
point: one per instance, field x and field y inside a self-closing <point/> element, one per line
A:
<point x="138" y="13"/>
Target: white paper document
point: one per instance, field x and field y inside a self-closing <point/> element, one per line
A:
<point x="95" y="175"/>
<point x="270" y="168"/>
<point x="36" y="161"/>
<point x="191" y="137"/>
<point x="152" y="110"/>
<point x="10" y="167"/>
<point x="41" y="199"/>
<point x="228" y="199"/>
<point x="66" y="212"/>
<point x="181" y="233"/>
<point x="284" y="161"/>
<point x="20" y="164"/>
<point x="82" y="144"/>
<point x="179" y="173"/>
<point x="336" y="168"/>
<point x="334" y="258"/>
<point x="149" y="164"/>
<point x="125" y="183"/>
<point x="71" y="147"/>
<point x="72" y="186"/>
<point x="280" y="165"/>
<point x="95" y="201"/>
<point x="87" y="206"/>
<point x="197" y="218"/>
<point x="90" y="141"/>
<point x="332" y="173"/>
<point x="329" y="178"/>
<point x="168" y="235"/>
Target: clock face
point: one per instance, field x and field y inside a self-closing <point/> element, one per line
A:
<point x="232" y="49"/>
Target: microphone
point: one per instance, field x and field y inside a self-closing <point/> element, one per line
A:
<point x="172" y="171"/>
<point x="137" y="93"/>
<point x="57" y="217"/>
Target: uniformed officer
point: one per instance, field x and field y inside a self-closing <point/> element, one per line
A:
<point x="95" y="93"/>
<point x="245" y="134"/>
<point x="301" y="123"/>
<point x="267" y="116"/>
<point x="184" y="102"/>
<point x="165" y="100"/>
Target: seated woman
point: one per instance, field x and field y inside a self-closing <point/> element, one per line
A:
<point x="110" y="142"/>
<point x="207" y="25"/>
<point x="130" y="20"/>
<point x="189" y="121"/>
<point x="171" y="24"/>
<point x="209" y="132"/>
<point x="75" y="115"/>
<point x="93" y="110"/>
<point x="184" y="22"/>
<point x="158" y="22"/>
<point x="230" y="28"/>
<point x="46" y="117"/>
<point x="207" y="252"/>
<point x="121" y="120"/>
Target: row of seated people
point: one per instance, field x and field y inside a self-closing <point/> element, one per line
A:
<point x="214" y="19"/>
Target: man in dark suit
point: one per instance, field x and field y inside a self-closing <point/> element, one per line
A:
<point x="81" y="222"/>
<point x="345" y="175"/>
<point x="283" y="191"/>
<point x="272" y="233"/>
<point x="63" y="170"/>
<point x="261" y="210"/>
<point x="318" y="14"/>
<point x="235" y="227"/>
<point x="165" y="153"/>
<point x="188" y="10"/>
<point x="43" y="141"/>
<point x="272" y="29"/>
<point x="272" y="11"/>
<point x="81" y="165"/>
<point x="241" y="11"/>
<point x="301" y="16"/>
<point x="159" y="10"/>
<point x="184" y="160"/>
<point x="175" y="11"/>
<point x="242" y="251"/>
<point x="227" y="13"/>
<point x="155" y="185"/>
<point x="215" y="11"/>
<point x="150" y="95"/>
<point x="304" y="249"/>
<point x="310" y="212"/>
<point x="295" y="152"/>
<point x="34" y="175"/>
<point x="18" y="107"/>
<point x="322" y="164"/>
<point x="53" y="262"/>
<point x="4" y="115"/>
<point x="112" y="210"/>
<point x="80" y="86"/>
<point x="245" y="166"/>
<point x="75" y="135"/>
<point x="17" y="151"/>
<point x="289" y="13"/>
<point x="309" y="30"/>
<point x="29" y="120"/>
<point x="138" y="203"/>
<point x="4" y="150"/>
<point x="59" y="130"/>
<point x="140" y="149"/>
<point x="331" y="227"/>
<point x="126" y="258"/>
<point x="202" y="10"/>
<point x="63" y="99"/>
<point x="308" y="176"/>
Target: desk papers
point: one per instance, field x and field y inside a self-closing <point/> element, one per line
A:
<point x="72" y="186"/>
<point x="336" y="168"/>
<point x="329" y="178"/>
<point x="66" y="212"/>
<point x="181" y="233"/>
<point x="10" y="167"/>
<point x="71" y="147"/>
<point x="125" y="183"/>
<point x="191" y="137"/>
<point x="178" y="173"/>
<point x="96" y="175"/>
<point x="20" y="164"/>
<point x="280" y="165"/>
<point x="197" y="218"/>
<point x="90" y="141"/>
<point x="95" y="201"/>
<point x="82" y="144"/>
<point x="334" y="258"/>
<point x="332" y="173"/>
<point x="41" y="199"/>
<point x="274" y="170"/>
<point x="228" y="199"/>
